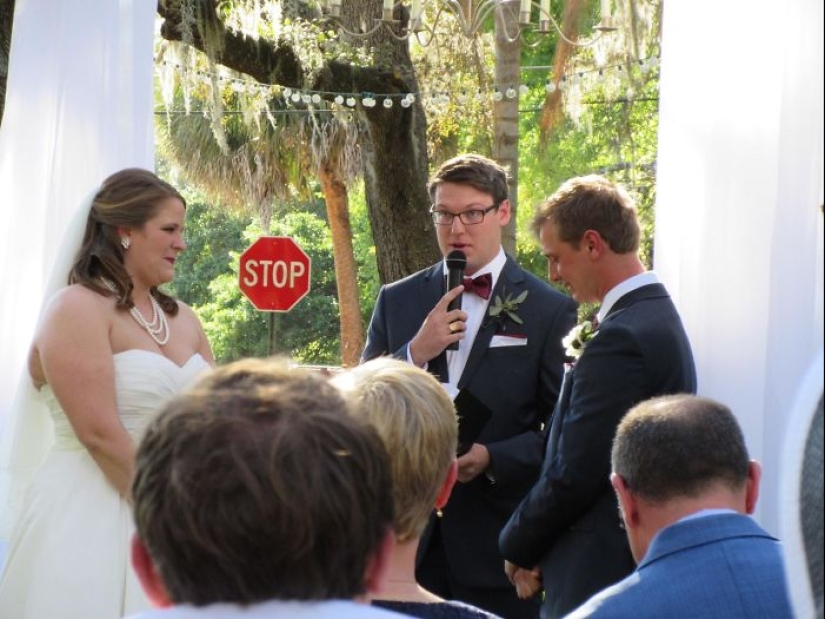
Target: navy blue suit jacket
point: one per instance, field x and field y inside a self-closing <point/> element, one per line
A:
<point x="722" y="566"/>
<point x="569" y="522"/>
<point x="518" y="384"/>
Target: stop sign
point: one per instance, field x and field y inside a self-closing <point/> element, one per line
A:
<point x="274" y="273"/>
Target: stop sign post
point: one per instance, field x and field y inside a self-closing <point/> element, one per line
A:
<point x="274" y="273"/>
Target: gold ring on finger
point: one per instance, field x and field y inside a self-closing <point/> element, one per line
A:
<point x="454" y="327"/>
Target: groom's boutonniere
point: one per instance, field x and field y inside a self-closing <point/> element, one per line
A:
<point x="502" y="308"/>
<point x="576" y="341"/>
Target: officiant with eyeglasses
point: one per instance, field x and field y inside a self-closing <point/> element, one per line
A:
<point x="499" y="355"/>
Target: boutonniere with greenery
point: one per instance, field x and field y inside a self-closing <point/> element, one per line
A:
<point x="503" y="307"/>
<point x="576" y="341"/>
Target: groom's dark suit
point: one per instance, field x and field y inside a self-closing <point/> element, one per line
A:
<point x="569" y="523"/>
<point x="518" y="384"/>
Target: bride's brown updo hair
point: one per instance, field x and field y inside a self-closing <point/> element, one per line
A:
<point x="127" y="199"/>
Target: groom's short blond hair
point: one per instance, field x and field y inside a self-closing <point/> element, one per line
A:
<point x="591" y="203"/>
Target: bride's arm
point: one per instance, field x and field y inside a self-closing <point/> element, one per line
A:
<point x="202" y="344"/>
<point x="76" y="356"/>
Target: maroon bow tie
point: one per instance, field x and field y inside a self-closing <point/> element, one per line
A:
<point x="481" y="285"/>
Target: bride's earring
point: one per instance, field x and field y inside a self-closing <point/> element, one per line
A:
<point x="125" y="242"/>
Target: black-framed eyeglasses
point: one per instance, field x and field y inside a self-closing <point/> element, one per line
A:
<point x="470" y="217"/>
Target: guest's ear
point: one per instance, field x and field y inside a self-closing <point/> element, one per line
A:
<point x="378" y="566"/>
<point x="147" y="574"/>
<point x="592" y="243"/>
<point x="504" y="212"/>
<point x="627" y="502"/>
<point x="447" y="487"/>
<point x="752" y="486"/>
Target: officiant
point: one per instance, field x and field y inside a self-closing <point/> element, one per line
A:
<point x="499" y="354"/>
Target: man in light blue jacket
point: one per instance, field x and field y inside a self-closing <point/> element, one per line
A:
<point x="686" y="486"/>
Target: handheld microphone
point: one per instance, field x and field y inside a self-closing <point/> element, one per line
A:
<point x="456" y="263"/>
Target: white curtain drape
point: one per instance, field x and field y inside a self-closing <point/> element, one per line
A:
<point x="78" y="107"/>
<point x="739" y="223"/>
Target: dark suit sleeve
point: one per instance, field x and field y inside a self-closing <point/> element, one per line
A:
<point x="610" y="378"/>
<point x="518" y="457"/>
<point x="377" y="335"/>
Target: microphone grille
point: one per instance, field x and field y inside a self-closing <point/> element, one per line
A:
<point x="456" y="259"/>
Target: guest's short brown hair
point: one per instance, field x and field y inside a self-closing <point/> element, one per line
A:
<point x="591" y="203"/>
<point x="417" y="421"/>
<point x="257" y="484"/>
<point x="679" y="446"/>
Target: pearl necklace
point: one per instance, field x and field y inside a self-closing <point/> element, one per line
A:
<point x="158" y="329"/>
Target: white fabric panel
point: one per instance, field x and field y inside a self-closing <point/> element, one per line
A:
<point x="78" y="107"/>
<point x="739" y="223"/>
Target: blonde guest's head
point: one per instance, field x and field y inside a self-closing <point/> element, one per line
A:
<point x="417" y="421"/>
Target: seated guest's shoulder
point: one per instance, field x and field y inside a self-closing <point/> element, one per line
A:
<point x="435" y="610"/>
<point x="275" y="609"/>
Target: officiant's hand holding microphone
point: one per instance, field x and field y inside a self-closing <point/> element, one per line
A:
<point x="441" y="328"/>
<point x="444" y="325"/>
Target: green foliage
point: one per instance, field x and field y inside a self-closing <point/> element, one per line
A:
<point x="233" y="327"/>
<point x="456" y="75"/>
<point x="615" y="137"/>
<point x="364" y="249"/>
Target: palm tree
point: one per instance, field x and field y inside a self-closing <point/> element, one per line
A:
<point x="259" y="166"/>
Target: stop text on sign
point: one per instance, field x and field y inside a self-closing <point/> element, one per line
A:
<point x="273" y="273"/>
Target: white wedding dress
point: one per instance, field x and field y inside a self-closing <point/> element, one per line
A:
<point x="69" y="554"/>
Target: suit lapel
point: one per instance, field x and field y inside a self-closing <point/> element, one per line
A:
<point x="511" y="282"/>
<point x="562" y="404"/>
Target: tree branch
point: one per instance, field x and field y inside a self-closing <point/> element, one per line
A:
<point x="269" y="62"/>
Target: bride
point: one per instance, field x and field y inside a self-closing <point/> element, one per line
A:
<point x="108" y="350"/>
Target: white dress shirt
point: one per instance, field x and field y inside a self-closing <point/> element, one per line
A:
<point x="476" y="309"/>
<point x="621" y="289"/>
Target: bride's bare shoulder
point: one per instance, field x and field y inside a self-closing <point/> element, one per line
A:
<point x="74" y="316"/>
<point x="78" y="301"/>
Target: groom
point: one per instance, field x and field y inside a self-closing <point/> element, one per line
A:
<point x="569" y="522"/>
<point x="504" y="376"/>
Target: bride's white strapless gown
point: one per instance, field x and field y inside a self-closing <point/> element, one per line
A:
<point x="69" y="554"/>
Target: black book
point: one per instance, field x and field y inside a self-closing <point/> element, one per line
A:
<point x="473" y="415"/>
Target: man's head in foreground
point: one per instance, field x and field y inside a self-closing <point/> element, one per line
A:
<point x="257" y="485"/>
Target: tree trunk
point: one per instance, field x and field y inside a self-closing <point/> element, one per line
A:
<point x="552" y="112"/>
<point x="505" y="112"/>
<point x="395" y="178"/>
<point x="346" y="273"/>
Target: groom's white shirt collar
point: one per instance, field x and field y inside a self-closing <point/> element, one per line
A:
<point x="620" y="290"/>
